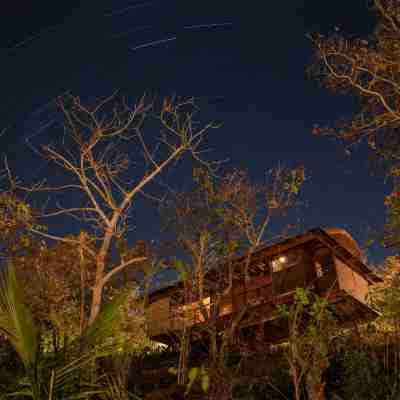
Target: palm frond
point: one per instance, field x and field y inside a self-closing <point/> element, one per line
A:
<point x="19" y="393"/>
<point x="16" y="320"/>
<point x="102" y="327"/>
<point x="59" y="375"/>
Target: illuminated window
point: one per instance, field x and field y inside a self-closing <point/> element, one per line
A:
<point x="278" y="264"/>
<point x="319" y="270"/>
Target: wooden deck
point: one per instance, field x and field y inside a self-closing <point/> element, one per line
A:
<point x="315" y="259"/>
<point x="261" y="310"/>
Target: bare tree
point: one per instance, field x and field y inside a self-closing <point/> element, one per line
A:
<point x="107" y="162"/>
<point x="369" y="69"/>
<point x="213" y="224"/>
<point x="250" y="208"/>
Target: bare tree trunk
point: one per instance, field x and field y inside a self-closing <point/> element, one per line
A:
<point x="96" y="161"/>
<point x="221" y="388"/>
<point x="315" y="384"/>
<point x="200" y="281"/>
<point x="82" y="287"/>
<point x="183" y="357"/>
<point x="297" y="383"/>
<point x="100" y="266"/>
<point x="96" y="302"/>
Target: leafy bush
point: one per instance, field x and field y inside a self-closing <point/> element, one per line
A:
<point x="359" y="376"/>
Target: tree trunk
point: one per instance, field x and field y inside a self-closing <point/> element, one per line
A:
<point x="200" y="281"/>
<point x="184" y="357"/>
<point x="315" y="385"/>
<point x="96" y="302"/>
<point x="296" y="383"/>
<point x="220" y="388"/>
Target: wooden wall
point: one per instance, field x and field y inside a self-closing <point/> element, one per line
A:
<point x="158" y="317"/>
<point x="351" y="282"/>
<point x="314" y="266"/>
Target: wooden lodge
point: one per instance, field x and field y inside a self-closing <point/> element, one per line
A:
<point x="327" y="260"/>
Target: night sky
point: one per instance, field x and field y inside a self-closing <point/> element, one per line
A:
<point x="245" y="63"/>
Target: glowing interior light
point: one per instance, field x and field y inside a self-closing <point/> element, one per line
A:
<point x="282" y="259"/>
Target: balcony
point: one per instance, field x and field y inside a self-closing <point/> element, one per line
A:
<point x="164" y="317"/>
<point x="312" y="260"/>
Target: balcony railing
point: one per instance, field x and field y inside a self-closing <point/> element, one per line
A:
<point x="257" y="292"/>
<point x="189" y="314"/>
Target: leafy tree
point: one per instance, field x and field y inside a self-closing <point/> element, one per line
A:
<point x="385" y="296"/>
<point x="367" y="360"/>
<point x="312" y="329"/>
<point x="16" y="221"/>
<point x="53" y="375"/>
<point x="392" y="226"/>
<point x="365" y="376"/>
<point x="368" y="68"/>
<point x="59" y="296"/>
<point x="56" y="286"/>
<point x="54" y="296"/>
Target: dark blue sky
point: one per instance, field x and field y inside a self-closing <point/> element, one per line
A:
<point x="248" y="73"/>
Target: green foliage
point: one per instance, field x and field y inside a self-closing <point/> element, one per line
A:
<point x="361" y="375"/>
<point x="195" y="374"/>
<point x="293" y="180"/>
<point x="183" y="269"/>
<point x="303" y="297"/>
<point x="11" y="368"/>
<point x="385" y="296"/>
<point x="283" y="310"/>
<point x="16" y="222"/>
<point x="128" y="333"/>
<point x="308" y="306"/>
<point x="55" y="295"/>
<point x="16" y="321"/>
<point x="198" y="373"/>
<point x="392" y="227"/>
<point x="103" y="326"/>
<point x="56" y="375"/>
<point x="312" y="327"/>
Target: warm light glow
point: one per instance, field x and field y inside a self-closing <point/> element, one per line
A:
<point x="282" y="259"/>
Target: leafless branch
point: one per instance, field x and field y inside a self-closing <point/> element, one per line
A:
<point x="122" y="266"/>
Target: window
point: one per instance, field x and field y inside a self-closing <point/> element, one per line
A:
<point x="289" y="259"/>
<point x="323" y="262"/>
<point x="279" y="263"/>
<point x="319" y="270"/>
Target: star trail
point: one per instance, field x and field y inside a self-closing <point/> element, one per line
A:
<point x="245" y="64"/>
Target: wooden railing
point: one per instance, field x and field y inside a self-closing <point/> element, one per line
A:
<point x="258" y="291"/>
<point x="189" y="314"/>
